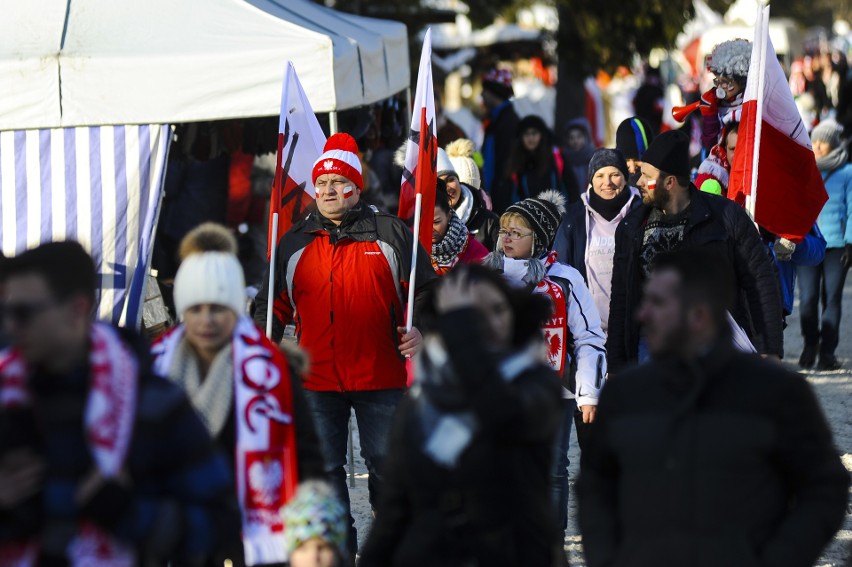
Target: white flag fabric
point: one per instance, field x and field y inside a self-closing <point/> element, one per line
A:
<point x="100" y="186"/>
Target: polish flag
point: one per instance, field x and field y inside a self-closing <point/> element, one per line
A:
<point x="419" y="174"/>
<point x="774" y="159"/>
<point x="300" y="143"/>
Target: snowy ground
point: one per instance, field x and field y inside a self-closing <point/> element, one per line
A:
<point x="834" y="390"/>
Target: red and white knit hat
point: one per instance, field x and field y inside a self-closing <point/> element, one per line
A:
<point x="340" y="156"/>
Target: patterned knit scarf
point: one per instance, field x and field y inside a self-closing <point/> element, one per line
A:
<point x="445" y="252"/>
<point x="212" y="395"/>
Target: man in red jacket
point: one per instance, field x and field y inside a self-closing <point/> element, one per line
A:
<point x="342" y="277"/>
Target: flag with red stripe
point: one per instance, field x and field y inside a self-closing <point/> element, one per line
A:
<point x="300" y="143"/>
<point x="774" y="170"/>
<point x="419" y="174"/>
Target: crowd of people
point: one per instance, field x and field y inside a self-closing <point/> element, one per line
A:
<point x="606" y="290"/>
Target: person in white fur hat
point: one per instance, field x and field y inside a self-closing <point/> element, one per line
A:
<point x="457" y="167"/>
<point x="239" y="383"/>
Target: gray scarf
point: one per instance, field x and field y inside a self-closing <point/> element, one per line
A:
<point x="834" y="159"/>
<point x="211" y="396"/>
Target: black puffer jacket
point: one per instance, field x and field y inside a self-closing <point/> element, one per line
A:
<point x="494" y="508"/>
<point x="714" y="224"/>
<point x="726" y="461"/>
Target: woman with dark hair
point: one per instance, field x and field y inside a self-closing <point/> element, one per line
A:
<point x="452" y="242"/>
<point x="467" y="476"/>
<point x="535" y="165"/>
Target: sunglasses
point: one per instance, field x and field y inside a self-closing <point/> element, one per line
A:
<point x="23" y="313"/>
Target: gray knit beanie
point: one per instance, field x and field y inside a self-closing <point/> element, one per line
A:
<point x="827" y="131"/>
<point x="607" y="157"/>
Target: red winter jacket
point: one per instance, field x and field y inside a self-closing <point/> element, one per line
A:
<point x="345" y="288"/>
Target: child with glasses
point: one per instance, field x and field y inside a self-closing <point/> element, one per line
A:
<point x="573" y="338"/>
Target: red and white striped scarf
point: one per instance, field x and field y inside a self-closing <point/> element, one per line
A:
<point x="108" y="422"/>
<point x="266" y="466"/>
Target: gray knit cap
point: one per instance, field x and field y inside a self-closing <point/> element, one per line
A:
<point x="607" y="157"/>
<point x="827" y="131"/>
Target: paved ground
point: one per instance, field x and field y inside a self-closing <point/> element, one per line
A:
<point x="834" y="390"/>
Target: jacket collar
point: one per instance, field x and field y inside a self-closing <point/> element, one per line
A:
<point x="359" y="223"/>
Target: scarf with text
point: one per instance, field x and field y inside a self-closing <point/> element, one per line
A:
<point x="266" y="466"/>
<point x="108" y="423"/>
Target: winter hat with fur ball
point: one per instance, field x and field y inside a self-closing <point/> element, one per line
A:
<point x="460" y="153"/>
<point x="543" y="214"/>
<point x="210" y="272"/>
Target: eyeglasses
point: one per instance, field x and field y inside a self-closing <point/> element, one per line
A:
<point x="726" y="84"/>
<point x="513" y="234"/>
<point x="22" y="314"/>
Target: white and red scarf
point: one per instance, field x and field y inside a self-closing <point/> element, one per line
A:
<point x="265" y="456"/>
<point x="108" y="423"/>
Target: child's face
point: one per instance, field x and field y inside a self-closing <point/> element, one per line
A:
<point x="316" y="552"/>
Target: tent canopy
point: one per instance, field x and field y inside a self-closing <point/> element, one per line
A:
<point x="91" y="62"/>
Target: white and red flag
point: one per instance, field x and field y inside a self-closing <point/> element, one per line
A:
<point x="300" y="143"/>
<point x="419" y="173"/>
<point x="774" y="171"/>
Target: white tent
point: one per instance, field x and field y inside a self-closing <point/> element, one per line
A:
<point x="89" y="62"/>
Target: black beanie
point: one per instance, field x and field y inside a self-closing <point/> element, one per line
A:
<point x="633" y="137"/>
<point x="669" y="152"/>
<point x="604" y="157"/>
<point x="543" y="214"/>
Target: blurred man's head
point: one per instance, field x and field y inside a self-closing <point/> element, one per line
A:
<point x="685" y="303"/>
<point x="49" y="297"/>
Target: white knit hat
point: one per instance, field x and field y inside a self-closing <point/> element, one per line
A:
<point x="210" y="277"/>
<point x="445" y="166"/>
<point x="460" y="153"/>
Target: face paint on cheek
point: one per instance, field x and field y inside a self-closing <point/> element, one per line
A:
<point x="347" y="191"/>
<point x="652" y="185"/>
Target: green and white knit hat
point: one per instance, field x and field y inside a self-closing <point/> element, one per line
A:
<point x="315" y="511"/>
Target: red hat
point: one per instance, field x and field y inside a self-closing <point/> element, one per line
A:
<point x="340" y="156"/>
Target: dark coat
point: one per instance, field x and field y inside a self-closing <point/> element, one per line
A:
<point x="495" y="507"/>
<point x="728" y="461"/>
<point x="482" y="223"/>
<point x="714" y="224"/>
<point x="501" y="133"/>
<point x="571" y="236"/>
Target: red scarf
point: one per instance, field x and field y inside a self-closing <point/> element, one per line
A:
<point x="555" y="329"/>
<point x="265" y="455"/>
<point x="108" y="423"/>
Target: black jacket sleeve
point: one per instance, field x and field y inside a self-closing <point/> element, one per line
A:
<point x="757" y="276"/>
<point x="814" y="474"/>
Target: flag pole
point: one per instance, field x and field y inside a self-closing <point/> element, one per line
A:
<point x="761" y="33"/>
<point x="271" y="297"/>
<point x="412" y="277"/>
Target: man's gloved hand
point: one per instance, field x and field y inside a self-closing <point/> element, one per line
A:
<point x="784" y="249"/>
<point x="846" y="258"/>
<point x="709" y="104"/>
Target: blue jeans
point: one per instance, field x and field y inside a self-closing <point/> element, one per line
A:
<point x="824" y="281"/>
<point x="374" y="412"/>
<point x="560" y="465"/>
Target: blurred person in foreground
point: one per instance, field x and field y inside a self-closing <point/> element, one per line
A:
<point x="101" y="461"/>
<point x="467" y="476"/>
<point x="706" y="456"/>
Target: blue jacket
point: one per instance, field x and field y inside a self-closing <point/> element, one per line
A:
<point x="835" y="220"/>
<point x="809" y="252"/>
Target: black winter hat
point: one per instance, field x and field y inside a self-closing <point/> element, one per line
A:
<point x="633" y="137"/>
<point x="604" y="157"/>
<point x="543" y="214"/>
<point x="669" y="152"/>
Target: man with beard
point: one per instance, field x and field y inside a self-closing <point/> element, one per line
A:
<point x="706" y="456"/>
<point x="676" y="215"/>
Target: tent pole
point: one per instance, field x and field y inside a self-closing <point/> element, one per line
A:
<point x="408" y="109"/>
<point x="332" y="123"/>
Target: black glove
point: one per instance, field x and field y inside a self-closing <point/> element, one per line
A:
<point x="846" y="257"/>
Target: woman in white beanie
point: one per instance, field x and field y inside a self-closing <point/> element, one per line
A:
<point x="243" y="388"/>
<point x="471" y="203"/>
